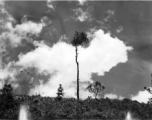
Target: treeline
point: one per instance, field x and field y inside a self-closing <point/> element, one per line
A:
<point x="46" y="108"/>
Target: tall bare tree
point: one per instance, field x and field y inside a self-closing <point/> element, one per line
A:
<point x="79" y="39"/>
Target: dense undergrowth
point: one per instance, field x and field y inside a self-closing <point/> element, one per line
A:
<point x="46" y="108"/>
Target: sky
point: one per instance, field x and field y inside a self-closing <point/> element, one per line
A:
<point x="36" y="54"/>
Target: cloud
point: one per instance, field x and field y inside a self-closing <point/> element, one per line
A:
<point x="81" y="2"/>
<point x="113" y="96"/>
<point x="142" y="96"/>
<point x="50" y="4"/>
<point x="5" y="17"/>
<point x="16" y="34"/>
<point x="82" y="15"/>
<point x="103" y="53"/>
<point x="29" y="27"/>
<point x="110" y="15"/>
<point x="11" y="35"/>
<point x="120" y="29"/>
<point x="106" y="23"/>
<point x="1" y="2"/>
<point x="6" y="70"/>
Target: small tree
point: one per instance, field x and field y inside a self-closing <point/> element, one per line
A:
<point x="7" y="100"/>
<point x="7" y="90"/>
<point x="79" y="39"/>
<point x="96" y="88"/>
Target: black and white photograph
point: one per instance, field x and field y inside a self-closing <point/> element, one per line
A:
<point x="75" y="60"/>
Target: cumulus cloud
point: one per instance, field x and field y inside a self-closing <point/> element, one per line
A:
<point x="113" y="96"/>
<point x="142" y="96"/>
<point x="82" y="15"/>
<point x="103" y="53"/>
<point x="11" y="35"/>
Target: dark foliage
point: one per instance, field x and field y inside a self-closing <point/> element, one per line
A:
<point x="97" y="88"/>
<point x="79" y="39"/>
<point x="7" y="102"/>
<point x="46" y="108"/>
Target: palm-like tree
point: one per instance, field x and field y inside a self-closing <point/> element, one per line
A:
<point x="79" y="39"/>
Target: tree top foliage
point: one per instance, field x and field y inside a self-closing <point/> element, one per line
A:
<point x="96" y="85"/>
<point x="7" y="89"/>
<point x="96" y="88"/>
<point x="79" y="39"/>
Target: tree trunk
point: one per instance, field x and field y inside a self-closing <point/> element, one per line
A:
<point x="76" y="50"/>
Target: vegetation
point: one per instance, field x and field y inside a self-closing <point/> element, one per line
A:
<point x="97" y="88"/>
<point x="79" y="39"/>
<point x="46" y="108"/>
<point x="7" y="102"/>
